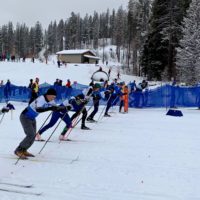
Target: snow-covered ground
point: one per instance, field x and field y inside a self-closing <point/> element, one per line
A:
<point x="142" y="155"/>
<point x="19" y="73"/>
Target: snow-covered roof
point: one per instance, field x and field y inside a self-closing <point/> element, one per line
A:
<point x="93" y="57"/>
<point x="74" y="51"/>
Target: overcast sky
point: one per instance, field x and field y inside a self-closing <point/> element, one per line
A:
<point x="45" y="11"/>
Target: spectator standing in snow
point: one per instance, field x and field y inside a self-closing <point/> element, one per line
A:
<point x="133" y="86"/>
<point x="60" y="82"/>
<point x="68" y="84"/>
<point x="59" y="63"/>
<point x="139" y="98"/>
<point x="56" y="83"/>
<point x="1" y="83"/>
<point x="7" y="89"/>
<point x="118" y="75"/>
<point x="141" y="86"/>
<point x="109" y="72"/>
<point x="100" y="69"/>
<point x="30" y="83"/>
<point x="34" y="90"/>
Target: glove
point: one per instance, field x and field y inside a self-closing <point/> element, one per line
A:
<point x="58" y="108"/>
<point x="69" y="107"/>
<point x="54" y="108"/>
<point x="78" y="101"/>
<point x="5" y="110"/>
<point x="61" y="108"/>
<point x="85" y="101"/>
<point x="107" y="92"/>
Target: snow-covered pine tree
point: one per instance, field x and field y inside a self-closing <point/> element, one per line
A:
<point x="60" y="34"/>
<point x="4" y="38"/>
<point x="96" y="27"/>
<point x="31" y="42"/>
<point x="38" y="37"/>
<point x="112" y="25"/>
<point x="85" y="32"/>
<point x="158" y="59"/>
<point x="10" y="37"/>
<point x="188" y="54"/>
<point x="119" y="31"/>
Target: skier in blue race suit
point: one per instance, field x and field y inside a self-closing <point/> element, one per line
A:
<point x="113" y="93"/>
<point x="56" y="115"/>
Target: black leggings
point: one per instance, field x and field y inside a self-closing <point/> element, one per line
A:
<point x="84" y="115"/>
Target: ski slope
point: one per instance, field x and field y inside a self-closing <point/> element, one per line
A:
<point x="142" y="155"/>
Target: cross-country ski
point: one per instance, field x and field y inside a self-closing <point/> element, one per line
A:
<point x="20" y="192"/>
<point x="16" y="184"/>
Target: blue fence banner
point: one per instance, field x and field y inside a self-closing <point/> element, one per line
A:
<point x="164" y="96"/>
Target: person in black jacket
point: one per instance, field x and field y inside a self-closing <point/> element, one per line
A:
<point x="96" y="96"/>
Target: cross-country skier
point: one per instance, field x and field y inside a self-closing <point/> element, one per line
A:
<point x="113" y="92"/>
<point x="96" y="96"/>
<point x="27" y="118"/>
<point x="78" y="106"/>
<point x="62" y="114"/>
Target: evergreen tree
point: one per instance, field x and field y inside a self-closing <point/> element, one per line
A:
<point x="50" y="35"/>
<point x="31" y="42"/>
<point x="85" y="31"/>
<point x="38" y="37"/>
<point x="188" y="54"/>
<point x="158" y="60"/>
<point x="112" y="26"/>
<point x="10" y="38"/>
<point x="96" y="29"/>
<point x="60" y="35"/>
<point x="119" y="31"/>
<point x="4" y="38"/>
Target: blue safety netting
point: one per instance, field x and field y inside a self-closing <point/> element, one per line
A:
<point x="21" y="93"/>
<point x="165" y="96"/>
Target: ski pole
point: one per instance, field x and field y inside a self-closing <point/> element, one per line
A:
<point x="45" y="121"/>
<point x="76" y="121"/>
<point x="104" y="108"/>
<point x="82" y="117"/>
<point x="102" y="111"/>
<point x="2" y="118"/>
<point x="52" y="133"/>
<point x="101" y="116"/>
<point x="70" y="129"/>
